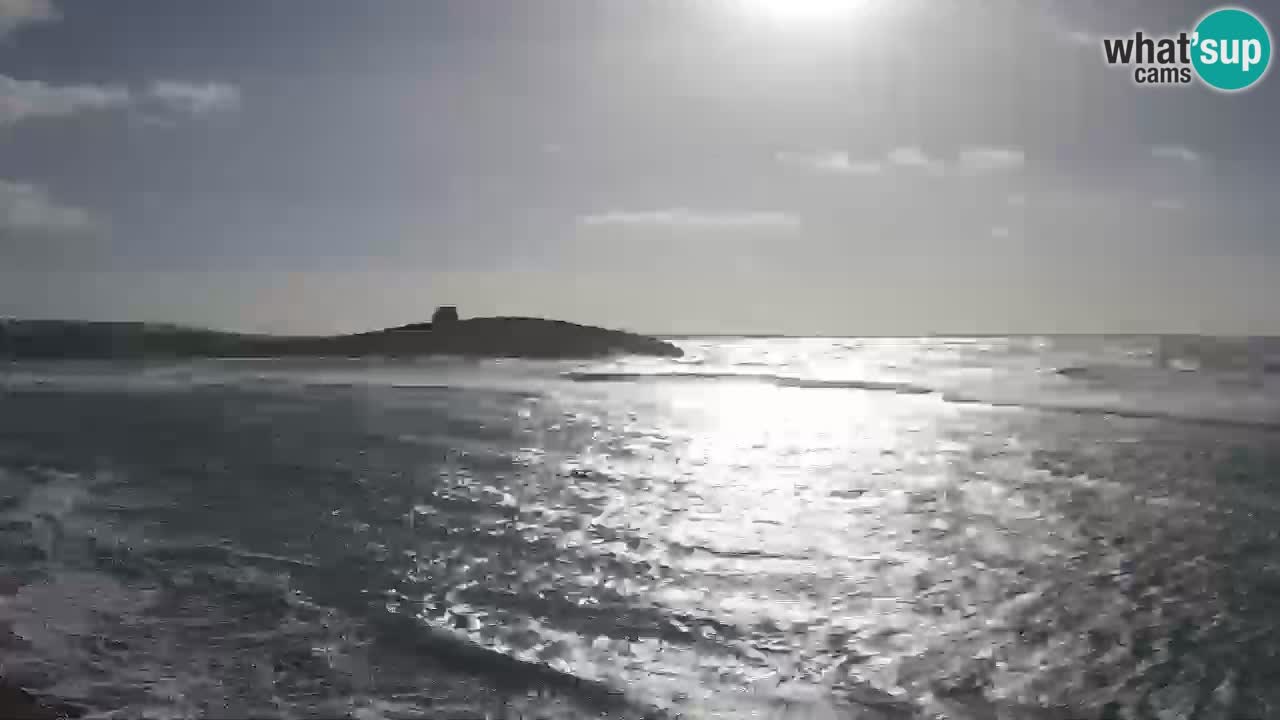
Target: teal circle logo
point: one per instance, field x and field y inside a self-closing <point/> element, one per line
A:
<point x="1231" y="49"/>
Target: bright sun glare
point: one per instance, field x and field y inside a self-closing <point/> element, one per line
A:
<point x="804" y="10"/>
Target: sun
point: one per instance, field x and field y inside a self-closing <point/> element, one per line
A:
<point x="804" y="11"/>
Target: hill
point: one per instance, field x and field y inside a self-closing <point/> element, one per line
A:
<point x="476" y="337"/>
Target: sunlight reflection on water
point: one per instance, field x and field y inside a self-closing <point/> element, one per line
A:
<point x="733" y="546"/>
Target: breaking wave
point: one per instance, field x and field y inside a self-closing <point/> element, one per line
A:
<point x="1137" y="393"/>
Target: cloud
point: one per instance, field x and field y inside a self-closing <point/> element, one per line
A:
<point x="22" y="100"/>
<point x="1081" y="38"/>
<point x="1168" y="204"/>
<point x="27" y="211"/>
<point x="1000" y="232"/>
<point x="25" y="99"/>
<point x="992" y="159"/>
<point x="681" y="218"/>
<point x="1179" y="153"/>
<point x="916" y="158"/>
<point x="1017" y="199"/>
<point x="1070" y="35"/>
<point x="195" y="98"/>
<point x="971" y="161"/>
<point x="830" y="163"/>
<point x="15" y="14"/>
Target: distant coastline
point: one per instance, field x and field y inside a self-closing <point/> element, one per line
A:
<point x="446" y="334"/>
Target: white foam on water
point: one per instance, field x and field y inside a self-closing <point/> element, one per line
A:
<point x="1074" y="374"/>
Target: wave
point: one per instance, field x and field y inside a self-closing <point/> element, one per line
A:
<point x="1142" y="401"/>
<point x="460" y="654"/>
<point x="1117" y="411"/>
<point x="52" y="609"/>
<point x="607" y="376"/>
<point x="902" y="388"/>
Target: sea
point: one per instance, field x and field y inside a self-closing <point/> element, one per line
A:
<point x="993" y="528"/>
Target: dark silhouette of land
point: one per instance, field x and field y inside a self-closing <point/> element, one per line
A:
<point x="446" y="335"/>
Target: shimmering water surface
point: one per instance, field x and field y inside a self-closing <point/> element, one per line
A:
<point x="765" y="528"/>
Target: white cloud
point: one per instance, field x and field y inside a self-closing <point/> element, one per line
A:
<point x="682" y="218"/>
<point x="908" y="156"/>
<point x="1017" y="199"/>
<point x="916" y="158"/>
<point x="1180" y="153"/>
<point x="1068" y="34"/>
<point x="15" y="14"/>
<point x="830" y="163"/>
<point x="1169" y="204"/>
<point x="973" y="160"/>
<point x="992" y="159"/>
<point x="24" y="99"/>
<point x="1082" y="38"/>
<point x="196" y="98"/>
<point x="1000" y="232"/>
<point x="28" y="211"/>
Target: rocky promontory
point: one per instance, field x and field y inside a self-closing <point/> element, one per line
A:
<point x="446" y="334"/>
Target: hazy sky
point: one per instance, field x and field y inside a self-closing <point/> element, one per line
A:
<point x="662" y="165"/>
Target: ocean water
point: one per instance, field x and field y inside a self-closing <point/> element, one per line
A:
<point x="972" y="529"/>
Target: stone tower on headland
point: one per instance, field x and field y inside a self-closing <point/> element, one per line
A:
<point x="444" y="316"/>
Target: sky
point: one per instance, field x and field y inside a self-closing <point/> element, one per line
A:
<point x="826" y="167"/>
